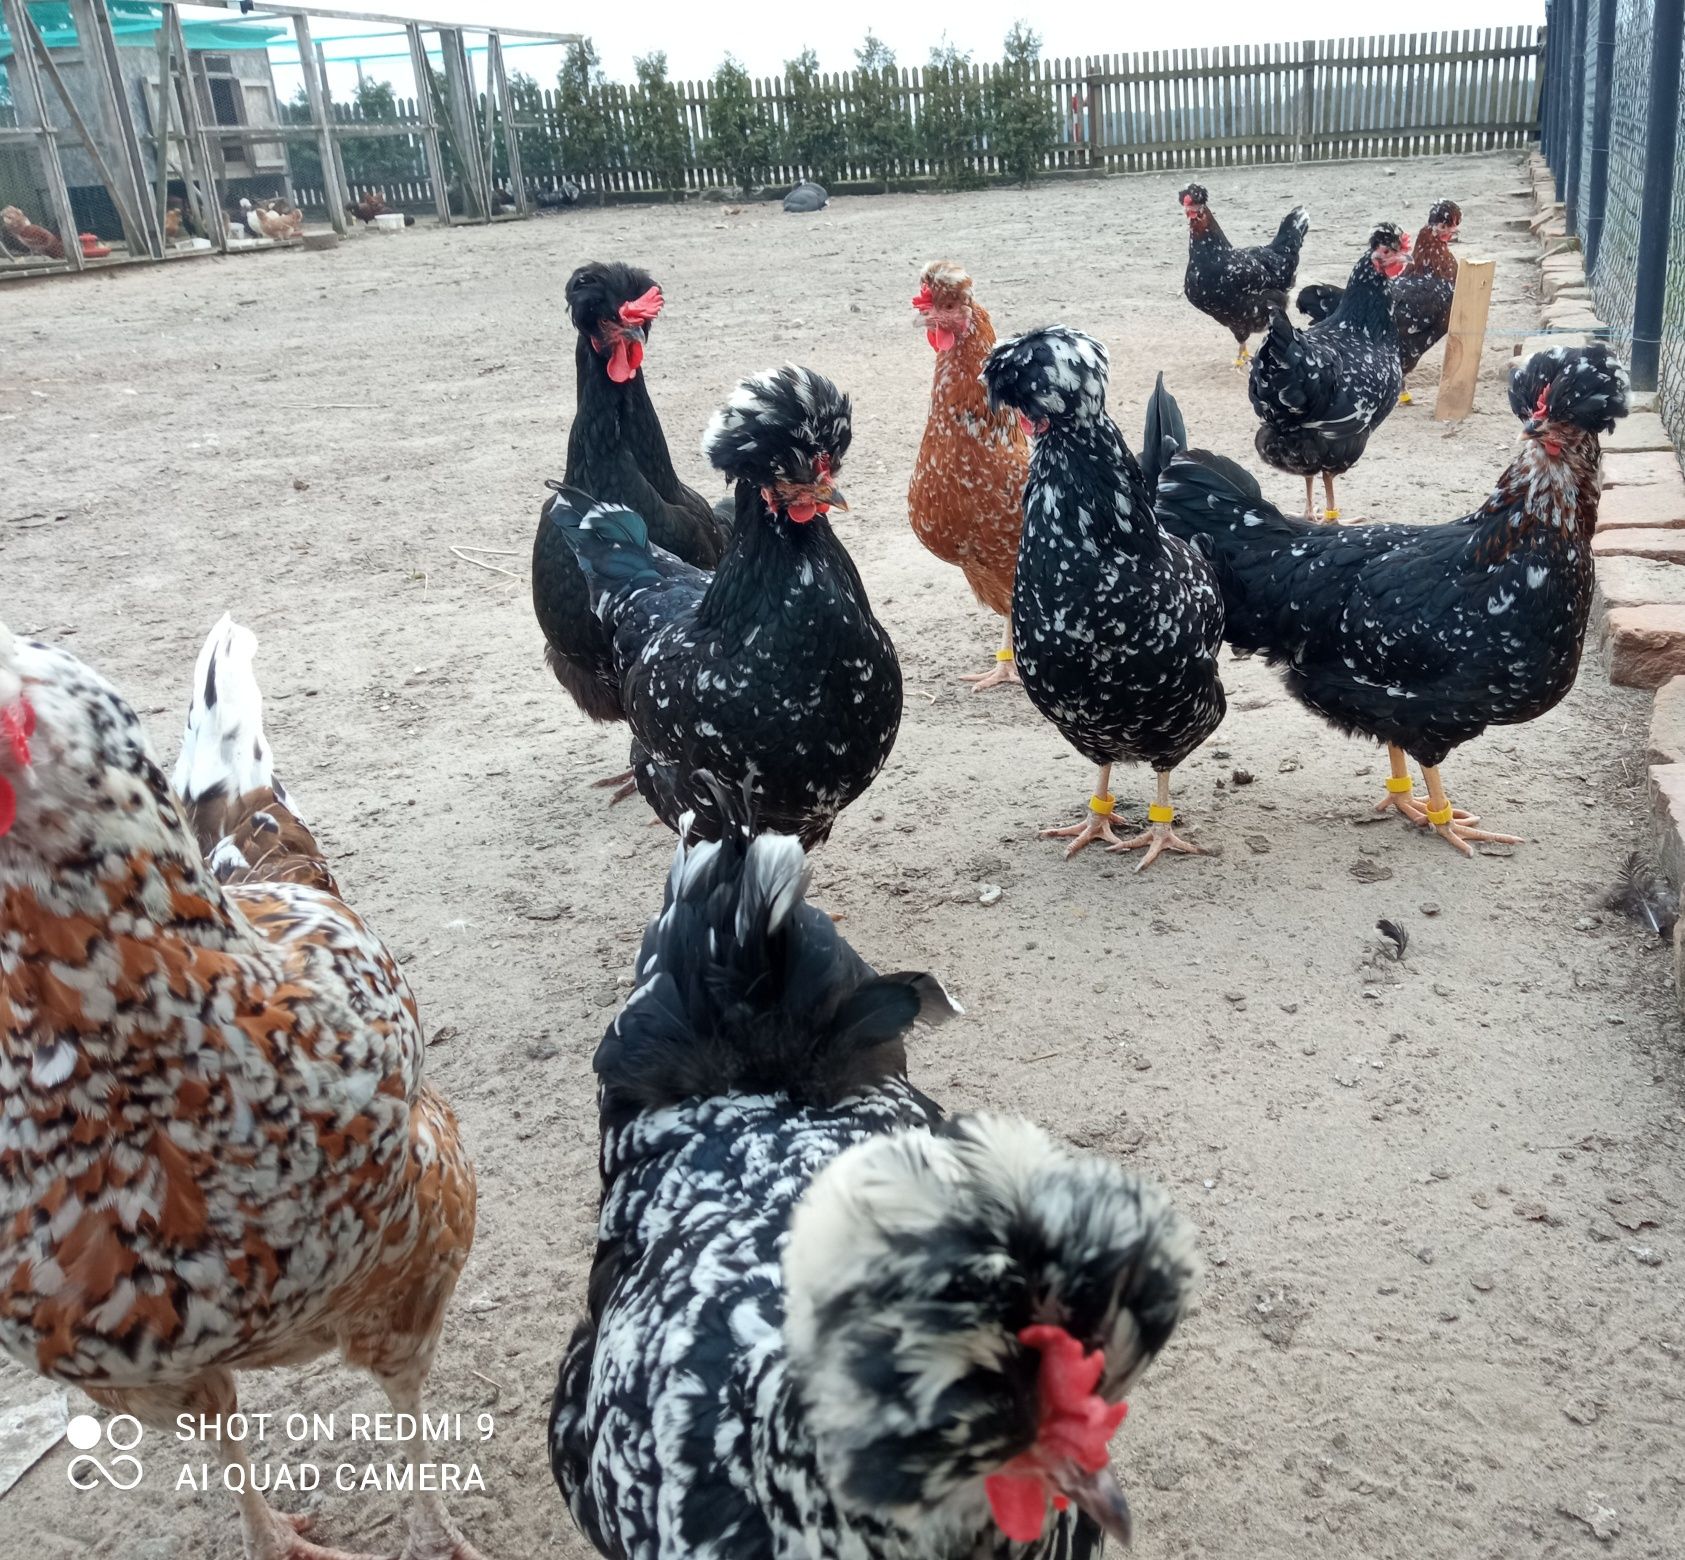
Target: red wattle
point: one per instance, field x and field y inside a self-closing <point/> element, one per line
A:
<point x="1019" y="1505"/>
<point x="624" y="360"/>
<point x="804" y="510"/>
<point x="8" y="806"/>
<point x="941" y="339"/>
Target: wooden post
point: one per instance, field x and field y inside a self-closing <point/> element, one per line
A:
<point x="498" y="77"/>
<point x="1470" y="304"/>
<point x="430" y="128"/>
<point x="316" y="92"/>
<point x="1096" y="117"/>
<point x="162" y="124"/>
<point x="196" y="143"/>
<point x="32" y="103"/>
<point x="460" y="101"/>
<point x="1307" y="100"/>
<point x="143" y="229"/>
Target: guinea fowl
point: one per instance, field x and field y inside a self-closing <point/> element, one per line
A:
<point x="966" y="499"/>
<point x="823" y="1321"/>
<point x="1117" y="624"/>
<point x="617" y="454"/>
<point x="1421" y="293"/>
<point x="772" y="669"/>
<point x="1321" y="392"/>
<point x="220" y="1153"/>
<point x="1422" y="636"/>
<point x="1238" y="287"/>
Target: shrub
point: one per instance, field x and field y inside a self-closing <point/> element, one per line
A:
<point x="951" y="118"/>
<point x="815" y="140"/>
<point x="879" y="133"/>
<point x="587" y="131"/>
<point x="1022" y="125"/>
<point x="739" y="137"/>
<point x="660" y="141"/>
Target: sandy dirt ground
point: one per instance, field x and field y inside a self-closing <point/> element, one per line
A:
<point x="1440" y="1198"/>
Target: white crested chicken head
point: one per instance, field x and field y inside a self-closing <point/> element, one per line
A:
<point x="786" y="431"/>
<point x="944" y="304"/>
<point x="1049" y="376"/>
<point x="965" y="1312"/>
<point x="1389" y="249"/>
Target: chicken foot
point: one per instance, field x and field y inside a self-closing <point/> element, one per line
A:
<point x="1401" y="797"/>
<point x="623" y="785"/>
<point x="1158" y="836"/>
<point x="1245" y="356"/>
<point x="433" y="1535"/>
<point x="1330" y="510"/>
<point x="1005" y="670"/>
<point x="1096" y="826"/>
<point x="1443" y="816"/>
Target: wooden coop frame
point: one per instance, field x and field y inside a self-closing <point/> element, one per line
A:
<point x="179" y="140"/>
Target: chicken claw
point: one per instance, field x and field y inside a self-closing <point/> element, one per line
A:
<point x="1443" y="817"/>
<point x="287" y="1542"/>
<point x="1096" y="826"/>
<point x="622" y="784"/>
<point x="1411" y="809"/>
<point x="1004" y="672"/>
<point x="1158" y="838"/>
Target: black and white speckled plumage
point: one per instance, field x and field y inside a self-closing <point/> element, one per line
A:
<point x="1422" y="636"/>
<point x="617" y="453"/>
<point x="803" y="1312"/>
<point x="1238" y="287"/>
<point x="1116" y="624"/>
<point x="1321" y="391"/>
<point x="773" y="668"/>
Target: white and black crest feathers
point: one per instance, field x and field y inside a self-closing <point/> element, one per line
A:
<point x="775" y="426"/>
<point x="1054" y="372"/>
<point x="1586" y="386"/>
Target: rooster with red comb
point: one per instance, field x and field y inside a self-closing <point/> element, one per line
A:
<point x="823" y="1320"/>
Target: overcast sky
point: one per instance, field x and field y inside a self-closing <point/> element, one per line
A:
<point x="764" y="33"/>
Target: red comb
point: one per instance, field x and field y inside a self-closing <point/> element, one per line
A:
<point x="17" y="725"/>
<point x="641" y="310"/>
<point x="823" y="466"/>
<point x="922" y="301"/>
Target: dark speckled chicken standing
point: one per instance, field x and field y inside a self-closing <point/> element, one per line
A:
<point x="1321" y="391"/>
<point x="1117" y="624"/>
<point x="771" y="670"/>
<point x="1421" y="293"/>
<point x="617" y="454"/>
<point x="1422" y="636"/>
<point x="1238" y="287"/>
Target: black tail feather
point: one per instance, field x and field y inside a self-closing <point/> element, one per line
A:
<point x="1318" y="300"/>
<point x="1164" y="434"/>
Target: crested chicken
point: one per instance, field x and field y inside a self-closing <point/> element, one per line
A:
<point x="1239" y="287"/>
<point x="1421" y="293"/>
<point x="823" y="1320"/>
<point x="1421" y="637"/>
<point x="219" y="1152"/>
<point x="967" y="493"/>
<point x="617" y="454"/>
<point x="1320" y="392"/>
<point x="35" y="239"/>
<point x="1117" y="624"/>
<point x="770" y="672"/>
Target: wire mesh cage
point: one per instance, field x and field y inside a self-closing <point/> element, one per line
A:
<point x="1615" y="277"/>
<point x="1671" y="381"/>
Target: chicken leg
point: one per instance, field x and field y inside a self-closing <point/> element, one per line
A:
<point x="1245" y="356"/>
<point x="1096" y="826"/>
<point x="1401" y="797"/>
<point x="1310" y="497"/>
<point x="1330" y="510"/>
<point x="1005" y="670"/>
<point x="1443" y="816"/>
<point x="1158" y="836"/>
<point x="622" y="784"/>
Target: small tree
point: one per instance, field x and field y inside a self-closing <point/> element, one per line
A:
<point x="814" y="136"/>
<point x="660" y="141"/>
<point x="378" y="159"/>
<point x="951" y="120"/>
<point x="879" y="132"/>
<point x="1022" y="126"/>
<point x="582" y="112"/>
<point x="739" y="136"/>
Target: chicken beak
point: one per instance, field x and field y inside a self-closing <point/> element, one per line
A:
<point x="1101" y="1497"/>
<point x="833" y="497"/>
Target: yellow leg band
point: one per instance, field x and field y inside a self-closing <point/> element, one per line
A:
<point x="1399" y="784"/>
<point x="1160" y="814"/>
<point x="1003" y="655"/>
<point x="1438" y="816"/>
<point x="1101" y="805"/>
<point x="1331" y="515"/>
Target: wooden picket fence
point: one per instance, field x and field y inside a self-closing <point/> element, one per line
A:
<point x="1396" y="96"/>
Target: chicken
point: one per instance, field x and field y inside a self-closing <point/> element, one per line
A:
<point x="37" y="240"/>
<point x="370" y="206"/>
<point x="1322" y="391"/>
<point x="772" y="669"/>
<point x="1117" y="624"/>
<point x="219" y="1153"/>
<point x="265" y="222"/>
<point x="822" y="1320"/>
<point x="1422" y="636"/>
<point x="617" y="454"/>
<point x="1421" y="295"/>
<point x="1238" y="287"/>
<point x="966" y="500"/>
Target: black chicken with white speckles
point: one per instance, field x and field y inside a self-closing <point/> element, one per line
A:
<point x="1238" y="287"/>
<point x="1321" y="391"/>
<point x="1422" y="636"/>
<point x="772" y="669"/>
<point x="1117" y="624"/>
<point x="824" y="1323"/>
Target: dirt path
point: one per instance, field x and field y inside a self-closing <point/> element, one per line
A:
<point x="1426" y="1330"/>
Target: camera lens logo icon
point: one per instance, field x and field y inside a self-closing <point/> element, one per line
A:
<point x="123" y="1434"/>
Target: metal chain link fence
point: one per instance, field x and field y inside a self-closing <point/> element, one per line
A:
<point x="1671" y="383"/>
<point x="1616" y="283"/>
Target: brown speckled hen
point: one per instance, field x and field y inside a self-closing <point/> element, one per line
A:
<point x="218" y="1152"/>
<point x="966" y="500"/>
